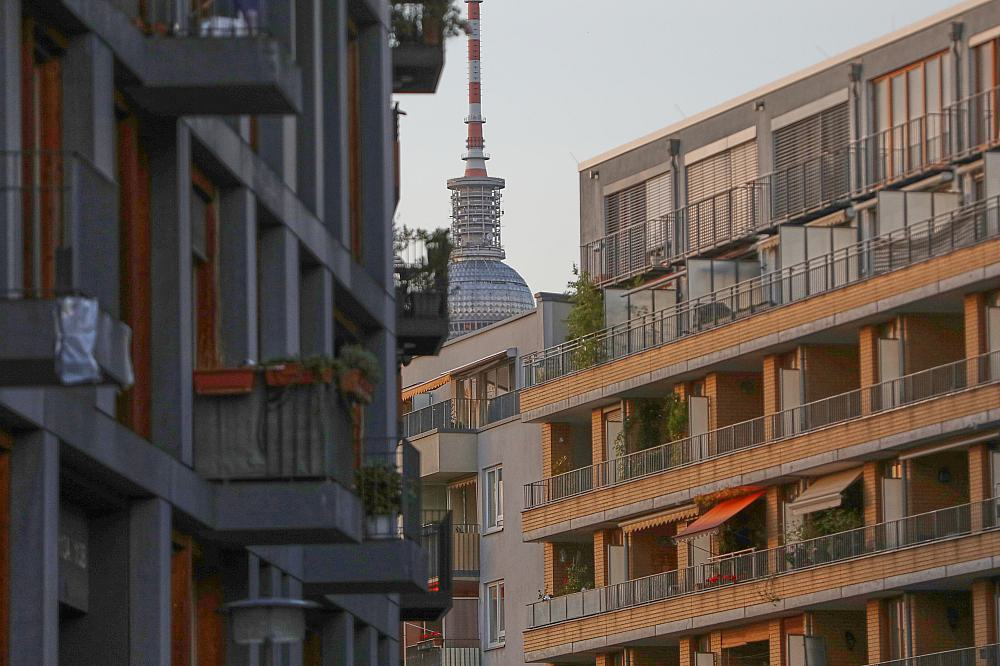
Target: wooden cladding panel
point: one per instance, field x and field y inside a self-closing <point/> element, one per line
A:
<point x="784" y="318"/>
<point x="767" y="456"/>
<point x="872" y="568"/>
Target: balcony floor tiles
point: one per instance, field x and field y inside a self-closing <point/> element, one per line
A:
<point x="950" y="414"/>
<point x="849" y="304"/>
<point x="852" y="579"/>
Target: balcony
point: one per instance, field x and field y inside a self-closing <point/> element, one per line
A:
<point x="421" y="280"/>
<point x="417" y="43"/>
<point x="963" y="388"/>
<point x="986" y="655"/>
<point x="938" y="236"/>
<point x="437" y="540"/>
<point x="60" y="326"/>
<point x="462" y="414"/>
<point x="726" y="576"/>
<point x="444" y="652"/>
<point x="214" y="57"/>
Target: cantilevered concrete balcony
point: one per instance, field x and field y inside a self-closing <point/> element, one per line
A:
<point x="417" y="47"/>
<point x="206" y="58"/>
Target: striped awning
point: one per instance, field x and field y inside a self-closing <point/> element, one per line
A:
<point x="712" y="519"/>
<point x="663" y="518"/>
<point x="429" y="385"/>
<point x="462" y="483"/>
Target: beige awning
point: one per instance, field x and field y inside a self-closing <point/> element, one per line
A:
<point x="825" y="492"/>
<point x="664" y="517"/>
<point x="462" y="483"/>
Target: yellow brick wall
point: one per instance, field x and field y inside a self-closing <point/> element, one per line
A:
<point x="654" y="656"/>
<point x="772" y="517"/>
<point x="549" y="555"/>
<point x="974" y="306"/>
<point x="776" y="642"/>
<point x="833" y="627"/>
<point x="868" y="355"/>
<point x="926" y="492"/>
<point x="829" y="370"/>
<point x="980" y="485"/>
<point x="984" y="612"/>
<point x="878" y="650"/>
<point x="932" y="339"/>
<point x="872" y="484"/>
<point x="597" y="435"/>
<point x="686" y="652"/>
<point x="930" y="628"/>
<point x="601" y="541"/>
<point x="733" y="397"/>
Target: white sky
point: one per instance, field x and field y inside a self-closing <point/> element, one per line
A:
<point x="564" y="80"/>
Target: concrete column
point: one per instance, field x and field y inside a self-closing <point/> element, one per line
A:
<point x="338" y="639"/>
<point x="279" y="297"/>
<point x="388" y="651"/>
<point x="275" y="587"/>
<point x="150" y="550"/>
<point x="365" y="646"/>
<point x="380" y="416"/>
<point x="376" y="153"/>
<point x="10" y="140"/>
<point x="316" y="313"/>
<point x="293" y="590"/>
<point x="89" y="130"/>
<point x="238" y="275"/>
<point x="172" y="329"/>
<point x="334" y="131"/>
<point x="34" y="554"/>
<point x="309" y="148"/>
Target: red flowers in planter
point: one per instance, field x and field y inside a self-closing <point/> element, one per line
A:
<point x="721" y="578"/>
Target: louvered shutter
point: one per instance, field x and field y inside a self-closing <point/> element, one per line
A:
<point x="718" y="209"/>
<point x="626" y="213"/>
<point x="811" y="162"/>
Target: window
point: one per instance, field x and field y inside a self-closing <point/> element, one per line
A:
<point x="493" y="498"/>
<point x="648" y="200"/>
<point x="495" y="634"/>
<point x="986" y="125"/>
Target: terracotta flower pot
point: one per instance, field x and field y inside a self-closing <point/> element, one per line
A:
<point x="224" y="381"/>
<point x="354" y="385"/>
<point x="291" y="374"/>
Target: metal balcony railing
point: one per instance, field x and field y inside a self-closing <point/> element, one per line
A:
<point x="902" y="151"/>
<point x="976" y="122"/>
<point x="984" y="655"/>
<point x="813" y="184"/>
<point x="856" y="404"/>
<point x="205" y="18"/>
<point x="464" y="543"/>
<point x="461" y="414"/>
<point x="963" y="227"/>
<point x="951" y="522"/>
<point x="444" y="652"/>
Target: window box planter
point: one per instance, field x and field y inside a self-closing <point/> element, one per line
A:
<point x="355" y="386"/>
<point x="224" y="381"/>
<point x="292" y="374"/>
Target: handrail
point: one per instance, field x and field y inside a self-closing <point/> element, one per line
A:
<point x="468" y="414"/>
<point x="851" y="405"/>
<point x="938" y="235"/>
<point x="977" y="655"/>
<point x="946" y="523"/>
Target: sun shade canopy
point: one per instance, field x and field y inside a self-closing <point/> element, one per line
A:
<point x="717" y="515"/>
<point x="825" y="492"/>
<point x="662" y="518"/>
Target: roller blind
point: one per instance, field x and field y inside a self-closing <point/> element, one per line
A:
<point x="641" y="202"/>
<point x="810" y="161"/>
<point x="722" y="171"/>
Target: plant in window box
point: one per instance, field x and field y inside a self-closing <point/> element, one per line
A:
<point x="225" y="381"/>
<point x="358" y="372"/>
<point x="428" y="22"/>
<point x="292" y="372"/>
<point x="381" y="489"/>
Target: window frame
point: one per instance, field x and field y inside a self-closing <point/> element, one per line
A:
<point x="495" y="605"/>
<point x="493" y="498"/>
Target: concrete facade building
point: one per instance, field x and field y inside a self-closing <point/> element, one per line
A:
<point x="194" y="198"/>
<point x="790" y="433"/>
<point x="461" y="411"/>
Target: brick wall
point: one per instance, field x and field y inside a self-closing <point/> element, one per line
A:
<point x="931" y="629"/>
<point x="925" y="492"/>
<point x="868" y="355"/>
<point x="980" y="484"/>
<point x="878" y="649"/>
<point x="829" y="370"/>
<point x="734" y="397"/>
<point x="601" y="541"/>
<point x="557" y="444"/>
<point x="654" y="656"/>
<point x="872" y="488"/>
<point x="653" y="551"/>
<point x="597" y="435"/>
<point x="833" y="627"/>
<point x="549" y="555"/>
<point x="686" y="651"/>
<point x="930" y="340"/>
<point x="772" y="517"/>
<point x="974" y="306"/>
<point x="771" y="388"/>
<point x="983" y="612"/>
<point x="776" y="641"/>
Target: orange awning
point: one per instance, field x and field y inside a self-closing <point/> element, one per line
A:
<point x="662" y="518"/>
<point x="429" y="385"/>
<point x="717" y="515"/>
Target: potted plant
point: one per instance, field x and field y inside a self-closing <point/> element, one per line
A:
<point x="381" y="490"/>
<point x="358" y="372"/>
<point x="225" y="381"/>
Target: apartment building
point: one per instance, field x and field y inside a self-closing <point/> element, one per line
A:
<point x="197" y="301"/>
<point x="462" y="413"/>
<point x="791" y="428"/>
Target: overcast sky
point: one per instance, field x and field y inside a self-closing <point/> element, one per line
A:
<point x="564" y="80"/>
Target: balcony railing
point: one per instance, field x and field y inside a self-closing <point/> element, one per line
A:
<point x="856" y="404"/>
<point x="897" y="249"/>
<point x="444" y="652"/>
<point x="388" y="483"/>
<point x="976" y="121"/>
<point x="206" y="18"/>
<point x="464" y="540"/>
<point x="461" y="414"/>
<point x="902" y="151"/>
<point x="985" y="655"/>
<point x="884" y="537"/>
<point x="420" y="272"/>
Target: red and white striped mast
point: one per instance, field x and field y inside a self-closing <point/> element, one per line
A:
<point x="475" y="158"/>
